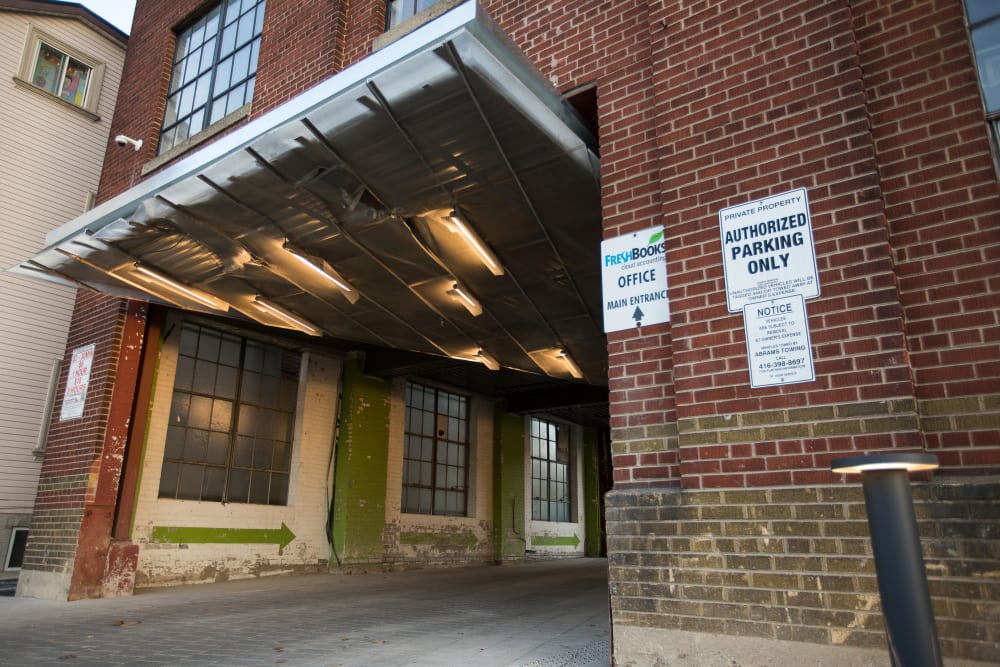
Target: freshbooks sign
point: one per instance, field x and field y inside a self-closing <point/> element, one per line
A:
<point x="634" y="275"/>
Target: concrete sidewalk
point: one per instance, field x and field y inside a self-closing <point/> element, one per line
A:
<point x="535" y="614"/>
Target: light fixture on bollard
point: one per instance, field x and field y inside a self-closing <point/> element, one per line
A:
<point x="899" y="563"/>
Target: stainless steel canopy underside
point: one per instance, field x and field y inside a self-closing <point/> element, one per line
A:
<point x="360" y="173"/>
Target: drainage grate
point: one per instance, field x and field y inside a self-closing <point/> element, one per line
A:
<point x="594" y="653"/>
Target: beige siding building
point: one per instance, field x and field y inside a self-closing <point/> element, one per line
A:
<point x="60" y="68"/>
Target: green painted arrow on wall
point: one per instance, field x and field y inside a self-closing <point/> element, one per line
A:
<point x="198" y="535"/>
<point x="554" y="541"/>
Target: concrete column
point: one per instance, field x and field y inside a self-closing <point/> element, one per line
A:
<point x="509" y="470"/>
<point x="592" y="493"/>
<point x="361" y="467"/>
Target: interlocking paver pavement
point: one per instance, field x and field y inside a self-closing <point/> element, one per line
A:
<point x="534" y="614"/>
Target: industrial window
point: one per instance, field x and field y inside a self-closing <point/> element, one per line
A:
<point x="984" y="24"/>
<point x="436" y="451"/>
<point x="215" y="64"/>
<point x="231" y="420"/>
<point x="550" y="483"/>
<point x="61" y="71"/>
<point x="400" y="10"/>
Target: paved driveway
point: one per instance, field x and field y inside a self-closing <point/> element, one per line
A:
<point x="537" y="614"/>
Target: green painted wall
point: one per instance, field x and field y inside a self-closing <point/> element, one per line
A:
<point x="361" y="467"/>
<point x="509" y="470"/>
<point x="591" y="493"/>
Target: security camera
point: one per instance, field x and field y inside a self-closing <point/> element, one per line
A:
<point x="122" y="140"/>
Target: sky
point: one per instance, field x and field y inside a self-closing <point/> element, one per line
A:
<point x="116" y="12"/>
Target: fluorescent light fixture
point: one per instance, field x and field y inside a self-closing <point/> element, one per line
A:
<point x="208" y="300"/>
<point x="321" y="269"/>
<point x="467" y="300"/>
<point x="487" y="360"/>
<point x="574" y="370"/>
<point x="480" y="357"/>
<point x="287" y="316"/>
<point x="155" y="284"/>
<point x="485" y="254"/>
<point x="555" y="362"/>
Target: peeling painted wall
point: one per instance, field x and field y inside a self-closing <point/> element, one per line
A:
<point x="233" y="552"/>
<point x="592" y="492"/>
<point x="509" y="489"/>
<point x="188" y="541"/>
<point x="359" y="512"/>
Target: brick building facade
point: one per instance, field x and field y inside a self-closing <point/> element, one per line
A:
<point x="724" y="516"/>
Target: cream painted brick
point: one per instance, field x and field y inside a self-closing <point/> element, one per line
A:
<point x="479" y="522"/>
<point x="305" y="514"/>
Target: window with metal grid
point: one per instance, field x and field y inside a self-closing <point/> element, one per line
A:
<point x="232" y="420"/>
<point x="550" y="484"/>
<point x="436" y="452"/>
<point x="215" y="65"/>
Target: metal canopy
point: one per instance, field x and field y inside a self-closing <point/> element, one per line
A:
<point x="358" y="176"/>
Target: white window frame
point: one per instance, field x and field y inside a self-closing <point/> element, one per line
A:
<point x="565" y="437"/>
<point x="33" y="43"/>
<point x="10" y="547"/>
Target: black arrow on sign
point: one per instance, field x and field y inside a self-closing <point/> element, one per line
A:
<point x="637" y="316"/>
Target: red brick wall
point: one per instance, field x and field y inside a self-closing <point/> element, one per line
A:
<point x="706" y="105"/>
<point x="366" y="21"/>
<point x="302" y="43"/>
<point x="750" y="104"/>
<point x="943" y="203"/>
<point x="74" y="447"/>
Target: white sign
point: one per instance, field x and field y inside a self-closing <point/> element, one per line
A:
<point x="634" y="274"/>
<point x="77" y="382"/>
<point x="778" y="347"/>
<point x="767" y="250"/>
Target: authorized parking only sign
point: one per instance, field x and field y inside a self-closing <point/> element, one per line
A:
<point x="767" y="250"/>
<point x="634" y="276"/>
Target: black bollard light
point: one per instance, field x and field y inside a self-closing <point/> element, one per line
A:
<point x="899" y="562"/>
